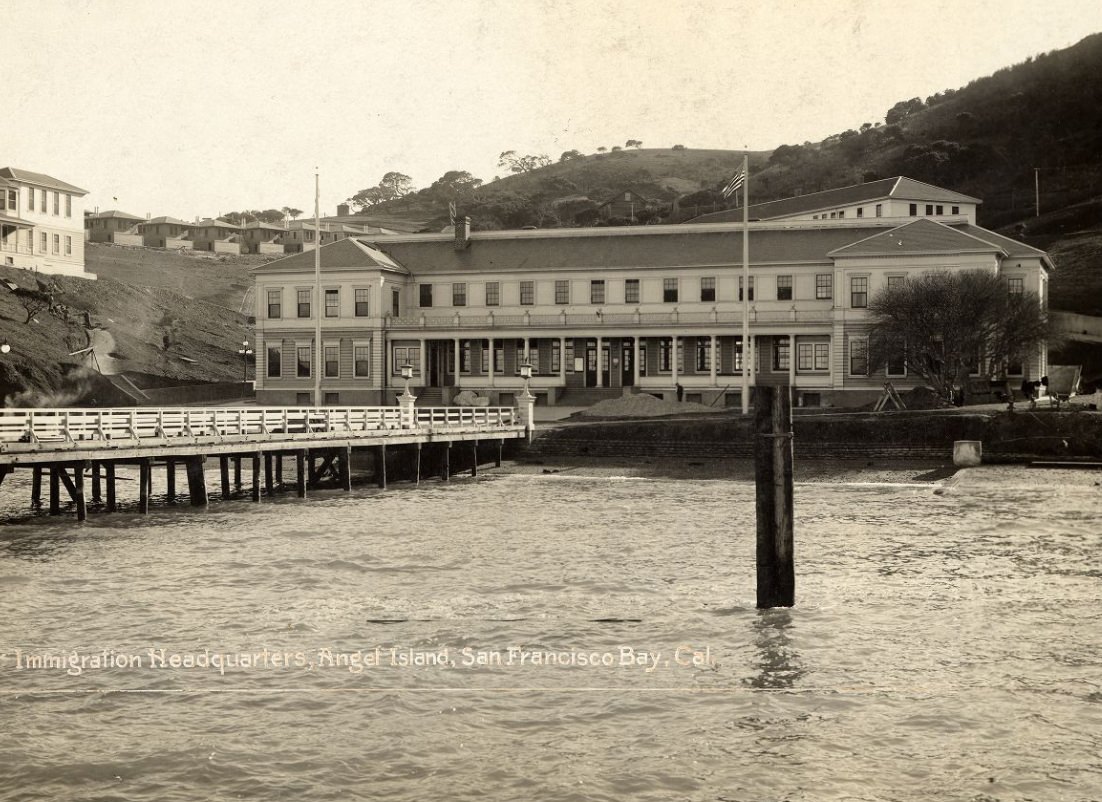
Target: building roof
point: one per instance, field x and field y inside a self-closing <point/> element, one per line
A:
<point x="116" y="214"/>
<point x="384" y="225"/>
<point x="918" y="237"/>
<point x="344" y="254"/>
<point x="172" y="221"/>
<point x="898" y="188"/>
<point x="219" y="223"/>
<point x="265" y="225"/>
<point x="15" y="221"/>
<point x="39" y="179"/>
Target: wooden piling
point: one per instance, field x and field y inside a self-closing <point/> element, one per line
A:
<point x="170" y="480"/>
<point x="300" y="473"/>
<point x="97" y="497"/>
<point x="446" y="463"/>
<point x="776" y="583"/>
<point x="474" y="460"/>
<point x="417" y="470"/>
<point x="145" y="468"/>
<point x="278" y="456"/>
<point x="36" y="487"/>
<point x="500" y="446"/>
<point x="268" y="487"/>
<point x="112" y="506"/>
<point x="224" y="475"/>
<point x="346" y="467"/>
<point x="237" y="473"/>
<point x="78" y="491"/>
<point x="55" y="489"/>
<point x="380" y="465"/>
<point x="256" y="476"/>
<point x="197" y="481"/>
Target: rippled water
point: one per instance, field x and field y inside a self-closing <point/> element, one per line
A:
<point x="946" y="645"/>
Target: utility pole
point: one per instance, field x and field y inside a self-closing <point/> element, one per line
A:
<point x="1037" y="189"/>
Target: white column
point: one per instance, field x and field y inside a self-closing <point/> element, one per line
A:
<point x="600" y="373"/>
<point x="424" y="367"/>
<point x="792" y="361"/>
<point x="714" y="354"/>
<point x="490" y="361"/>
<point x="752" y="361"/>
<point x="456" y="352"/>
<point x="635" y="360"/>
<point x="562" y="361"/>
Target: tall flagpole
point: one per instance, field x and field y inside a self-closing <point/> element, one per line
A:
<point x="317" y="291"/>
<point x="747" y="357"/>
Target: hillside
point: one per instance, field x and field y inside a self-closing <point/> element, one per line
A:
<point x="189" y="333"/>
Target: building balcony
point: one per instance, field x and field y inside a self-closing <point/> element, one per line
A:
<point x="11" y="247"/>
<point x="608" y="320"/>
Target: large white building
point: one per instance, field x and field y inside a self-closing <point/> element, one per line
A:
<point x="600" y="311"/>
<point x="41" y="223"/>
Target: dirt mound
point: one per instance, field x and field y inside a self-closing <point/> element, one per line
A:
<point x="641" y="405"/>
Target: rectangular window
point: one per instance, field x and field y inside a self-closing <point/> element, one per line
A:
<point x="812" y="356"/>
<point x="703" y="353"/>
<point x="465" y="357"/>
<point x="493" y="293"/>
<point x="929" y="209"/>
<point x="860" y="211"/>
<point x="897" y="360"/>
<point x="406" y="355"/>
<point x="30" y="199"/>
<point x="459" y="293"/>
<point x="562" y="292"/>
<point x="44" y="242"/>
<point x="275" y="304"/>
<point x="913" y="209"/>
<point x="302" y="360"/>
<point x="896" y="281"/>
<point x="956" y="210"/>
<point x="303" y="297"/>
<point x="527" y="293"/>
<point x="708" y="288"/>
<point x="631" y="291"/>
<point x="784" y="288"/>
<point x="879" y="210"/>
<point x="396" y="303"/>
<point x="938" y="209"/>
<point x="781" y="353"/>
<point x="425" y="295"/>
<point x="824" y="286"/>
<point x="842" y="213"/>
<point x="859" y="357"/>
<point x="68" y="246"/>
<point x="361" y="360"/>
<point x="569" y="356"/>
<point x="859" y="292"/>
<point x="556" y="356"/>
<point x="484" y="358"/>
<point x="13" y="199"/>
<point x="642" y="359"/>
<point x="1015" y="286"/>
<point x="332" y="303"/>
<point x="669" y="290"/>
<point x="665" y="352"/>
<point x="499" y="357"/>
<point x="275" y="361"/>
<point x="822" y="356"/>
<point x="68" y="205"/>
<point x="597" y="291"/>
<point x="57" y="202"/>
<point x="57" y="243"/>
<point x="332" y="355"/>
<point x="42" y="201"/>
<point x="363" y="305"/>
<point x="751" y="294"/>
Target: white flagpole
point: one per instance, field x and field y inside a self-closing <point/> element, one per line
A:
<point x="747" y="356"/>
<point x="317" y="291"/>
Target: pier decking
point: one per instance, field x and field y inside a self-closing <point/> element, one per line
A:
<point x="67" y="443"/>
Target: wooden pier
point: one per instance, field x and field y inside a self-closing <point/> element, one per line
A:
<point x="75" y="448"/>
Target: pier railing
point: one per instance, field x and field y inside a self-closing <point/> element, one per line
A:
<point x="33" y="426"/>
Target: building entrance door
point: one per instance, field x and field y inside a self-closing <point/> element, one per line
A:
<point x="590" y="363"/>
<point x="627" y="365"/>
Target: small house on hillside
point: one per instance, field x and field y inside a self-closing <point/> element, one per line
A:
<point x="627" y="204"/>
<point x="219" y="236"/>
<point x="166" y="232"/>
<point x="118" y="228"/>
<point x="262" y="237"/>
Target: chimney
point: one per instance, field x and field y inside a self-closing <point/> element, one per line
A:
<point x="462" y="233"/>
<point x="342" y="210"/>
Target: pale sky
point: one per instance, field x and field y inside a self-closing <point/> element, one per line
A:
<point x="194" y="107"/>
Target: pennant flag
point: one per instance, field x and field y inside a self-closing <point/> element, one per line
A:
<point x="736" y="181"/>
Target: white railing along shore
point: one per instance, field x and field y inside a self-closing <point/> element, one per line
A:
<point x="143" y="423"/>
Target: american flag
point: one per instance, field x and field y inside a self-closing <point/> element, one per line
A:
<point x="736" y="181"/>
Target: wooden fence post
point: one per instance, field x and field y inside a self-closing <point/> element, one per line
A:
<point x="776" y="582"/>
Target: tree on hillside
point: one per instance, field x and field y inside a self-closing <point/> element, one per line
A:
<point x="903" y="109"/>
<point x="367" y="198"/>
<point x="454" y="184"/>
<point x="522" y="164"/>
<point x="633" y="143"/>
<point x="943" y="326"/>
<point x="602" y="149"/>
<point x="678" y="147"/>
<point x="570" y="155"/>
<point x="273" y="216"/>
<point x="396" y="184"/>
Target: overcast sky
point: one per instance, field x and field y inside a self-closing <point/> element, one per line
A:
<point x="195" y="107"/>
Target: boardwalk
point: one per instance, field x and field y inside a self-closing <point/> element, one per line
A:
<point x="65" y="444"/>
